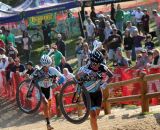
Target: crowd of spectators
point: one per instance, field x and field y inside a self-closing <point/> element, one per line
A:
<point x="121" y="43"/>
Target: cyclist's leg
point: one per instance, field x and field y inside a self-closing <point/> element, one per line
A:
<point x="47" y="106"/>
<point x="96" y="101"/>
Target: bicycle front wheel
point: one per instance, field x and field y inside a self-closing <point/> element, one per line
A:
<point x="28" y="97"/>
<point x="74" y="102"/>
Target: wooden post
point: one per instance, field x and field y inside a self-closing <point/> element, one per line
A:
<point x="106" y="104"/>
<point x="144" y="91"/>
<point x="57" y="104"/>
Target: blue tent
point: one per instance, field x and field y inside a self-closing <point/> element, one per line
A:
<point x="36" y="7"/>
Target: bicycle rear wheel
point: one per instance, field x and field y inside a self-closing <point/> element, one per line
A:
<point x="74" y="102"/>
<point x="28" y="97"/>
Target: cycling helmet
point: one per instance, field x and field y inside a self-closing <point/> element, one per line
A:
<point x="45" y="60"/>
<point x="96" y="56"/>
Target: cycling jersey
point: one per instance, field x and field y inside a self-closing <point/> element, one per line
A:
<point x="47" y="77"/>
<point x="94" y="85"/>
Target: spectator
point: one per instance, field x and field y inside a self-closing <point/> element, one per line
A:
<point x="131" y="28"/>
<point x="46" y="33"/>
<point x="145" y="22"/>
<point x="101" y="27"/>
<point x="18" y="68"/>
<point x="60" y="44"/>
<point x="46" y="50"/>
<point x="12" y="51"/>
<point x="97" y="27"/>
<point x="128" y="43"/>
<point x="2" y="51"/>
<point x="156" y="58"/>
<point x="78" y="50"/>
<point x="64" y="64"/>
<point x="8" y="78"/>
<point x="85" y="54"/>
<point x="138" y="17"/>
<point x="107" y="30"/>
<point x="27" y="45"/>
<point x="93" y="14"/>
<point x="10" y="37"/>
<point x="118" y="31"/>
<point x="90" y="28"/>
<point x="4" y="62"/>
<point x="137" y="46"/>
<point x="2" y="44"/>
<point x="120" y="59"/>
<point x="57" y="55"/>
<point x="157" y="20"/>
<point x="113" y="12"/>
<point x="119" y="18"/>
<point x="149" y="45"/>
<point x="68" y="75"/>
<point x="2" y="37"/>
<point x="108" y="18"/>
<point x="30" y="68"/>
<point x="114" y="41"/>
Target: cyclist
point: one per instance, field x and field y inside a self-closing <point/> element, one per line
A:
<point x="94" y="67"/>
<point x="47" y="72"/>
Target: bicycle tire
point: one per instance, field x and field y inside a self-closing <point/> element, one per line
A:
<point x="18" y="98"/>
<point x="87" y="104"/>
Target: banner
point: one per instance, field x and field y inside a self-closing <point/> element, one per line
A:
<point x="37" y="20"/>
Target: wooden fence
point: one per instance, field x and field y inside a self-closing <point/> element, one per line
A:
<point x="143" y="97"/>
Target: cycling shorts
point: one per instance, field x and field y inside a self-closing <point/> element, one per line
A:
<point x="46" y="92"/>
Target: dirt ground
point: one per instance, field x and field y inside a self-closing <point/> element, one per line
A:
<point x="128" y="118"/>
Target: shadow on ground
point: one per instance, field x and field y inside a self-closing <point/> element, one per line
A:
<point x="10" y="115"/>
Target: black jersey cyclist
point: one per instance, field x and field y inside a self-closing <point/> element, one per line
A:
<point x="94" y="67"/>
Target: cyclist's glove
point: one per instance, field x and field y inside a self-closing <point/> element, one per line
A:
<point x="104" y="85"/>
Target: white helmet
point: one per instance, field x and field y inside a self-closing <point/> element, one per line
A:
<point x="45" y="60"/>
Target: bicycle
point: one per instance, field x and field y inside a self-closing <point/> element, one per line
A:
<point x="28" y="93"/>
<point x="29" y="97"/>
<point x="36" y="34"/>
<point x="78" y="98"/>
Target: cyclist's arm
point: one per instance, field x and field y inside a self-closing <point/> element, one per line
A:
<point x="55" y="72"/>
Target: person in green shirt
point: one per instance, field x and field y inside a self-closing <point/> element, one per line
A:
<point x="45" y="51"/>
<point x="57" y="55"/>
<point x="119" y="18"/>
<point x="2" y="37"/>
<point x="10" y="38"/>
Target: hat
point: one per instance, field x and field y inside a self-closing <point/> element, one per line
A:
<point x="3" y="56"/>
<point x="59" y="35"/>
<point x="46" y="46"/>
<point x="29" y="63"/>
<point x="143" y="51"/>
<point x="54" y="46"/>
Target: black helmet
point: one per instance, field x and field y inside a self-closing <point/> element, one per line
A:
<point x="96" y="56"/>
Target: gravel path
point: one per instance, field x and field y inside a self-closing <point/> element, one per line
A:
<point x="120" y="119"/>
